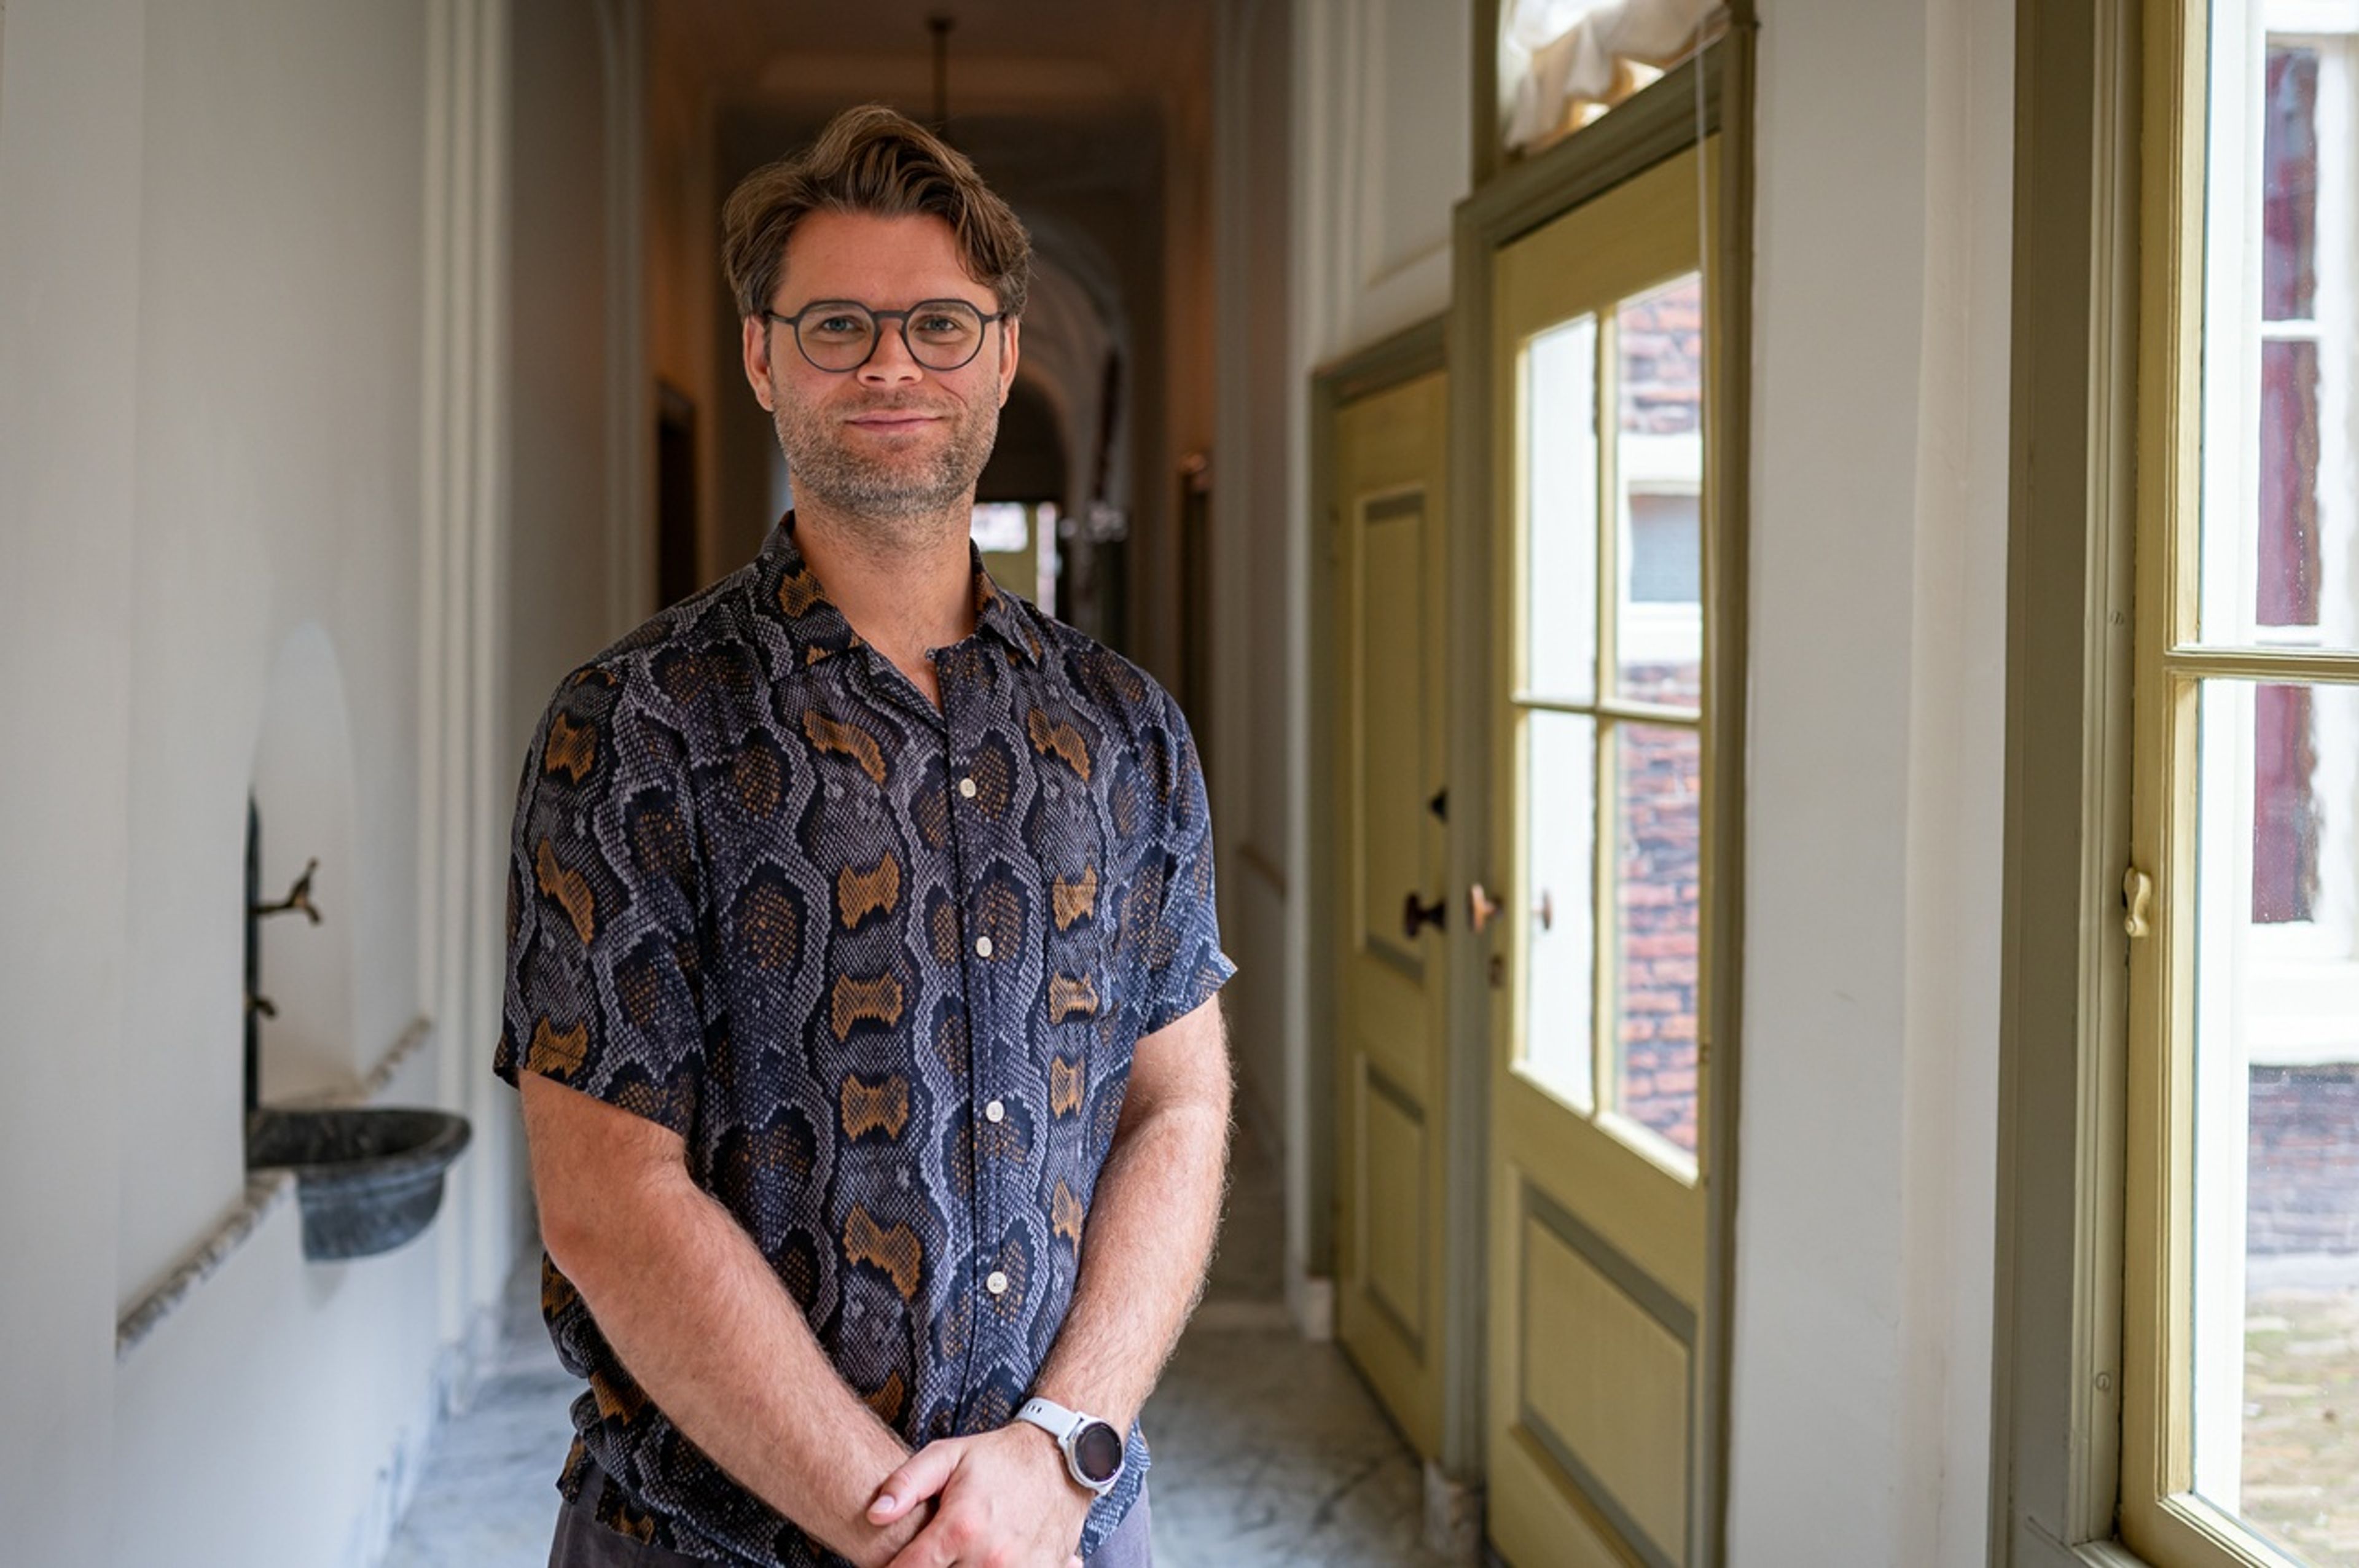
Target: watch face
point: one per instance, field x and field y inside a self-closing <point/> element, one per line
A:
<point x="1097" y="1453"/>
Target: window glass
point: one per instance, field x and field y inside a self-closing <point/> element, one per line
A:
<point x="2281" y="292"/>
<point x="2275" y="1357"/>
<point x="1656" y="897"/>
<point x="1561" y="512"/>
<point x="1658" y="482"/>
<point x="1560" y="872"/>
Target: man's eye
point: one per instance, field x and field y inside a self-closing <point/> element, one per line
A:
<point x="942" y="324"/>
<point x="840" y="326"/>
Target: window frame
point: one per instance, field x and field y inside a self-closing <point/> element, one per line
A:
<point x="2090" y="1409"/>
<point x="2199" y="147"/>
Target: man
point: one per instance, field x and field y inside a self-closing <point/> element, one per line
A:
<point x="862" y="962"/>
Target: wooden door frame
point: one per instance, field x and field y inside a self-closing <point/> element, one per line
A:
<point x="1655" y="124"/>
<point x="2056" y="1354"/>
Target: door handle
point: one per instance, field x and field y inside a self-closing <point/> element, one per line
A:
<point x="1415" y="916"/>
<point x="1545" y="910"/>
<point x="1480" y="908"/>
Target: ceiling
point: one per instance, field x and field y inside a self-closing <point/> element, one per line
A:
<point x="1052" y="57"/>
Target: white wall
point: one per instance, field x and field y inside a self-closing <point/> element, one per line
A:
<point x="225" y="280"/>
<point x="1862" y="1393"/>
<point x="71" y="110"/>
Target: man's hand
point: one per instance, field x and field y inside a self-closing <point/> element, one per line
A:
<point x="1005" y="1501"/>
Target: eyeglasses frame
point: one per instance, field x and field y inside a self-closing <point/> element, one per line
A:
<point x="900" y="320"/>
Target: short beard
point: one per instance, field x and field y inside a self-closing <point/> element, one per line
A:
<point x="875" y="494"/>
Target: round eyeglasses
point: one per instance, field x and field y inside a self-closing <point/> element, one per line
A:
<point x="841" y="335"/>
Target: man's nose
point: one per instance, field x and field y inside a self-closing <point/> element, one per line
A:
<point x="891" y="365"/>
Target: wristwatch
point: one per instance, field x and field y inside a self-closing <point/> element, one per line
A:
<point x="1093" y="1448"/>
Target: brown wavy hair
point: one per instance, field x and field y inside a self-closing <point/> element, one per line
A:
<point x="874" y="161"/>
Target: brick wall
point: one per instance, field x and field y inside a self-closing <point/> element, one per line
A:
<point x="1662" y="360"/>
<point x="2302" y="1165"/>
<point x="1659" y="849"/>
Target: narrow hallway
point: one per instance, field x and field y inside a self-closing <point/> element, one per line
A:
<point x="1267" y="1449"/>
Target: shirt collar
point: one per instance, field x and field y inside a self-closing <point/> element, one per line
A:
<point x="787" y="589"/>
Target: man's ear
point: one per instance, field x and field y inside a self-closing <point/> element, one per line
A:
<point x="758" y="359"/>
<point x="1012" y="331"/>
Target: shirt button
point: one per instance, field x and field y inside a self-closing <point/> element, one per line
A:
<point x="996" y="1284"/>
<point x="994" y="1111"/>
<point x="966" y="789"/>
<point x="983" y="946"/>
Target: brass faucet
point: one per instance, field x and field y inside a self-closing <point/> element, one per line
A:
<point x="299" y="897"/>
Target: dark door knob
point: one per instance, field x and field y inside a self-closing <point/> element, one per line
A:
<point x="1415" y="916"/>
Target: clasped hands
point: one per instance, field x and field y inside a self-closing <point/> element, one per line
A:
<point x="1000" y="1499"/>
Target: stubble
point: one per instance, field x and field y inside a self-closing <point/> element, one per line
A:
<point x="889" y="496"/>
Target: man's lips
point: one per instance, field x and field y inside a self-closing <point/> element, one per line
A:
<point x="889" y="419"/>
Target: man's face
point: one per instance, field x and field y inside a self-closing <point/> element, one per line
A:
<point x="891" y="440"/>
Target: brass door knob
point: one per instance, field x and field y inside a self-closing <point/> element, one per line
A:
<point x="1480" y="908"/>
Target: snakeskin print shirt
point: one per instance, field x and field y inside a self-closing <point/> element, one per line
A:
<point x="881" y="965"/>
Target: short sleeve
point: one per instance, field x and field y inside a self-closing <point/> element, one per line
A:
<point x="605" y="927"/>
<point x="1185" y="965"/>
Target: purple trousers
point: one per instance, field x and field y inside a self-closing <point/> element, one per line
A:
<point x="582" y="1543"/>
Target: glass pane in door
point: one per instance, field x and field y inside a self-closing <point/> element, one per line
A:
<point x="1656" y="903"/>
<point x="1658" y="488"/>
<point x="1561" y="481"/>
<point x="2275" y="1270"/>
<point x="1559" y="884"/>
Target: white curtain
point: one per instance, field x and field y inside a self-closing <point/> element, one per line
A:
<point x="1555" y="54"/>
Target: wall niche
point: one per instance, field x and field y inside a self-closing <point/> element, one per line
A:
<point x="302" y="811"/>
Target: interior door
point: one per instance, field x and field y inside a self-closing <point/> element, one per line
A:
<point x="1600" y="1084"/>
<point x="1389" y="563"/>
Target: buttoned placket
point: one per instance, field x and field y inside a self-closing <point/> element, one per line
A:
<point x="962" y="695"/>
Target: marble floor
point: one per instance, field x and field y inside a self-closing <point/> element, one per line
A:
<point x="1267" y="1449"/>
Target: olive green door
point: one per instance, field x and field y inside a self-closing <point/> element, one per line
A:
<point x="1387" y="558"/>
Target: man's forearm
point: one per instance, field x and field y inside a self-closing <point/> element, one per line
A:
<point x="711" y="1336"/>
<point x="1151" y="1225"/>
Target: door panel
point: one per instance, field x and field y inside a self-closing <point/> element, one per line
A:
<point x="1388" y="551"/>
<point x="1599" y="1082"/>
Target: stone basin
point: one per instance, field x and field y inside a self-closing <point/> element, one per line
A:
<point x="368" y="1179"/>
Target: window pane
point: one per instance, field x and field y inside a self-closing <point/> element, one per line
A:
<point x="2289" y="184"/>
<point x="1560" y="502"/>
<point x="2285" y="823"/>
<point x="2279" y="444"/>
<point x="1560" y="879"/>
<point x="2275" y="1270"/>
<point x="1658" y="832"/>
<point x="1659" y="473"/>
<point x="2287" y="541"/>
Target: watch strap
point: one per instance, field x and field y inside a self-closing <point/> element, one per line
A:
<point x="1051" y="1417"/>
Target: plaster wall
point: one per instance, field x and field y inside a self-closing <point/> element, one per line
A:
<point x="215" y="304"/>
<point x="1860" y="1420"/>
<point x="275" y="455"/>
<point x="71" y="127"/>
<point x="1253" y="517"/>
